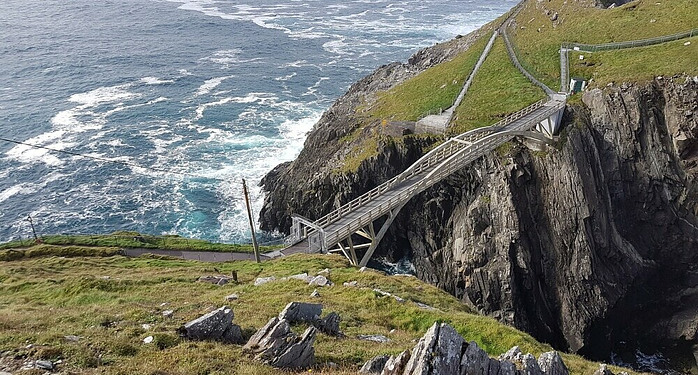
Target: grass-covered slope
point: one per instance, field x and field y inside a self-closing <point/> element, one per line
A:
<point x="497" y="90"/>
<point x="434" y="89"/>
<point x="131" y="240"/>
<point x="107" y="301"/>
<point x="637" y="64"/>
<point x="538" y="34"/>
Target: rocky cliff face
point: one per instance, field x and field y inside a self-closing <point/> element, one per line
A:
<point x="592" y="243"/>
<point x="587" y="245"/>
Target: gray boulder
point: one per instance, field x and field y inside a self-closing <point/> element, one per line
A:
<point x="263" y="280"/>
<point x="475" y="361"/>
<point x="529" y="365"/>
<point x="437" y="352"/>
<point x="276" y="345"/>
<point x="514" y="355"/>
<point x="374" y="365"/>
<point x="506" y="367"/>
<point x="216" y="325"/>
<point x="320" y="280"/>
<point x="551" y="364"/>
<point x="375" y="338"/>
<point x="296" y="312"/>
<point x="396" y="365"/>
<point x="603" y="370"/>
<point x="216" y="280"/>
<point x="329" y="325"/>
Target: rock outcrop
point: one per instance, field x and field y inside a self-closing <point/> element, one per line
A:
<point x="301" y="312"/>
<point x="442" y="351"/>
<point x="276" y="345"/>
<point x="216" y="325"/>
<point x="594" y="237"/>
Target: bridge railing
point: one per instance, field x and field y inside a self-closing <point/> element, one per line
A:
<point x="442" y="170"/>
<point x="630" y="43"/>
<point x="433" y="157"/>
<point x="428" y="162"/>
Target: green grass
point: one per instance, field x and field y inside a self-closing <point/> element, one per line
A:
<point x="497" y="90"/>
<point x="135" y="240"/>
<point x="432" y="90"/>
<point x="637" y="64"/>
<point x="106" y="301"/>
<point x="539" y="40"/>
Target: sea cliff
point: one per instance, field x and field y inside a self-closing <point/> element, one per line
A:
<point x="589" y="245"/>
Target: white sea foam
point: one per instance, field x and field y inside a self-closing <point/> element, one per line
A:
<point x="210" y="84"/>
<point x="103" y="95"/>
<point x="286" y="77"/>
<point x="229" y="57"/>
<point x="14" y="190"/>
<point x="155" y="81"/>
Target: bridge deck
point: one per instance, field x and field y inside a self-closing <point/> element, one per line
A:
<point x="395" y="196"/>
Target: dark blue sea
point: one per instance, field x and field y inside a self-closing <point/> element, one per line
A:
<point x="190" y="96"/>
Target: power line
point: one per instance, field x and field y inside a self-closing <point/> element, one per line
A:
<point x="97" y="158"/>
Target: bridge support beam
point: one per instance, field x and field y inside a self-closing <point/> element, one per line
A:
<point x="379" y="236"/>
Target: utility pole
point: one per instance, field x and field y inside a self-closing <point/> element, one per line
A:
<point x="31" y="222"/>
<point x="249" y="215"/>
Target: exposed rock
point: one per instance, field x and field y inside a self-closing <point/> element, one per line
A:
<point x="44" y="365"/>
<point x="216" y="280"/>
<point x="603" y="370"/>
<point x="374" y="365"/>
<point x="329" y="325"/>
<point x="231" y="297"/>
<point x="296" y="312"/>
<point x="424" y="306"/>
<point x="148" y="339"/>
<point x="352" y="284"/>
<point x="320" y="280"/>
<point x="263" y="280"/>
<point x="275" y="344"/>
<point x="216" y="325"/>
<point x="437" y="352"/>
<point x="475" y="361"/>
<point x="442" y="351"/>
<point x="325" y="272"/>
<point x="551" y="364"/>
<point x="72" y="338"/>
<point x="374" y="338"/>
<point x="514" y="354"/>
<point x="315" y="294"/>
<point x="529" y="365"/>
<point x="396" y="365"/>
<point x="302" y="276"/>
<point x="168" y="313"/>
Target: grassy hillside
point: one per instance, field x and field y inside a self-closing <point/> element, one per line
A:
<point x="497" y="90"/>
<point x="133" y="240"/>
<point x="106" y="302"/>
<point x="433" y="90"/>
<point x="637" y="64"/>
<point x="538" y="37"/>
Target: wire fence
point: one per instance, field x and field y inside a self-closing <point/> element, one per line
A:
<point x="629" y="44"/>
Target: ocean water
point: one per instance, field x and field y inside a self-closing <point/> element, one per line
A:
<point x="190" y="96"/>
